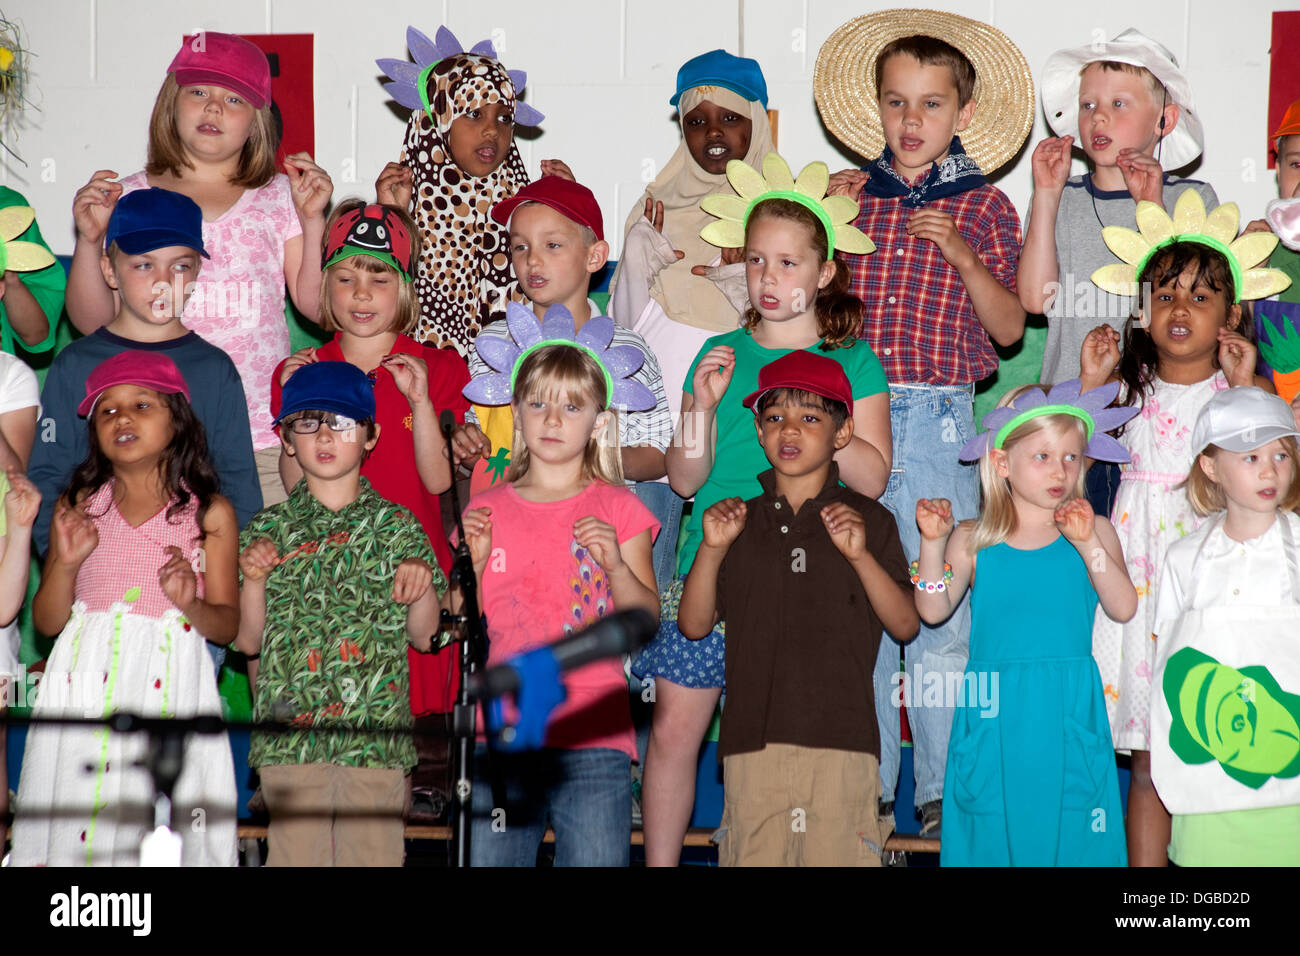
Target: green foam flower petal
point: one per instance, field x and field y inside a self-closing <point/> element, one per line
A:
<point x="814" y="179"/>
<point x="1118" y="278"/>
<point x="777" y="172"/>
<point x="1254" y="248"/>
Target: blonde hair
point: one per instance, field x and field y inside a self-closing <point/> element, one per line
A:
<point x="1206" y="495"/>
<point x="558" y="370"/>
<point x="167" y="155"/>
<point x="408" y="303"/>
<point x="997" y="520"/>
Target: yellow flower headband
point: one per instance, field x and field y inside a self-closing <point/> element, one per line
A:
<point x="1218" y="230"/>
<point x="836" y="213"/>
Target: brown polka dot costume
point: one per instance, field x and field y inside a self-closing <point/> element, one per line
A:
<point x="463" y="276"/>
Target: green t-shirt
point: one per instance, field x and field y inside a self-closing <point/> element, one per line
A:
<point x="1268" y="837"/>
<point x="738" y="458"/>
<point x="334" y="647"/>
<point x="46" y="285"/>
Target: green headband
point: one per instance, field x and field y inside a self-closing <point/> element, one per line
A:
<point x="604" y="370"/>
<point x="808" y="203"/>
<point x="1023" y="417"/>
<point x="1238" y="280"/>
<point x="347" y="252"/>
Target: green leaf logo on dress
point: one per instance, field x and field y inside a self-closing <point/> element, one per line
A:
<point x="132" y="595"/>
<point x="498" y="464"/>
<point x="1241" y="718"/>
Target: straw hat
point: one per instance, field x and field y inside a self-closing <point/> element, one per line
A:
<point x="844" y="82"/>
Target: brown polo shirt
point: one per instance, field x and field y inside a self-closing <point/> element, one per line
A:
<point x="801" y="635"/>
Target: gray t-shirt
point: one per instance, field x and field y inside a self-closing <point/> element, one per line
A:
<point x="1080" y="251"/>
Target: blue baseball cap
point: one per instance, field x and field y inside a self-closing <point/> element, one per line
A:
<point x="720" y="68"/>
<point x="338" y="387"/>
<point x="153" y="218"/>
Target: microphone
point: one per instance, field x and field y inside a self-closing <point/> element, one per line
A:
<point x="447" y="423"/>
<point x="619" y="633"/>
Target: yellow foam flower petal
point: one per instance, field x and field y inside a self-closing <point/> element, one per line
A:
<point x="1189" y="212"/>
<point x="1259" y="283"/>
<point x="851" y="239"/>
<point x="27" y="257"/>
<point x="1117" y="278"/>
<point x="1253" y="249"/>
<point x="1222" y="223"/>
<point x="14" y="221"/>
<point x="724" y="206"/>
<point x="841" y="209"/>
<point x="725" y="235"/>
<point x="1153" y="222"/>
<point x="745" y="179"/>
<point x="1126" y="243"/>
<point x="777" y="172"/>
<point x="814" y="179"/>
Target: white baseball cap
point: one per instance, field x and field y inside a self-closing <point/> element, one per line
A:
<point x="1242" y="419"/>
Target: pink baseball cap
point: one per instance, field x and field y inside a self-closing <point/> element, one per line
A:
<point x="572" y="200"/>
<point x="225" y="60"/>
<point x="133" y="367"/>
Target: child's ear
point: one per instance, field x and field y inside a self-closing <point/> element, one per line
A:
<point x="1206" y="464"/>
<point x="374" y="438"/>
<point x="844" y="434"/>
<point x="1234" y="317"/>
<point x="109" y="273"/>
<point x="602" y="423"/>
<point x="1000" y="465"/>
<point x="827" y="273"/>
<point x="965" y="114"/>
<point x="1170" y="117"/>
<point x="597" y="256"/>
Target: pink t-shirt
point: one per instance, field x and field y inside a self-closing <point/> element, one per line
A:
<point x="541" y="585"/>
<point x="238" y="301"/>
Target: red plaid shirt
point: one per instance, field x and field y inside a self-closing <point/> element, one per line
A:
<point x="919" y="319"/>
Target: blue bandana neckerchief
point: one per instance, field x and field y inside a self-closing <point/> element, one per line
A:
<point x="956" y="174"/>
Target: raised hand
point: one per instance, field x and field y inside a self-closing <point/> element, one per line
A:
<point x="394" y="186"/>
<point x="411" y="580"/>
<point x="177" y="579"/>
<point x="74" y="535"/>
<point x="713" y="376"/>
<point x="847" y="182"/>
<point x="1144" y="177"/>
<point x="469" y="444"/>
<point x="258" y="560"/>
<point x="934" y="518"/>
<point x="1237" y="356"/>
<point x="558" y="167"/>
<point x="1075" y="519"/>
<point x="940" y="228"/>
<point x="93" y="205"/>
<point x="599" y="538"/>
<point x="847" y="530"/>
<point x="22" y="502"/>
<point x="1051" y="163"/>
<point x="478" y="535"/>
<point x="723" y="522"/>
<point x="1099" y="356"/>
<point x="311" y="186"/>
<point x="410" y="375"/>
<point x="297" y="360"/>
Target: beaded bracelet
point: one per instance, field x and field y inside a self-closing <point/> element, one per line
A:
<point x="929" y="587"/>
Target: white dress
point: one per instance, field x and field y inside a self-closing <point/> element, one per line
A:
<point x="1151" y="512"/>
<point x="83" y="797"/>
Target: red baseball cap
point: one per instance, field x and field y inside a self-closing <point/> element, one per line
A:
<point x="571" y="200"/>
<point x="808" y="371"/>
<point x="133" y="368"/>
<point x="225" y="60"/>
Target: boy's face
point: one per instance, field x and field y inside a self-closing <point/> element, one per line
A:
<point x="328" y="454"/>
<point x="1288" y="167"/>
<point x="480" y="140"/>
<point x="154" y="285"/>
<point x="799" y="438"/>
<point x="920" y="112"/>
<point x="714" y="135"/>
<point x="551" y="260"/>
<point x="1117" y="112"/>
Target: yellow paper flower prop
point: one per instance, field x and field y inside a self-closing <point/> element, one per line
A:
<point x="1218" y="230"/>
<point x="20" y="256"/>
<point x="836" y="213"/>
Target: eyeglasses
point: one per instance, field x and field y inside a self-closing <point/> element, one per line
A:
<point x="310" y="426"/>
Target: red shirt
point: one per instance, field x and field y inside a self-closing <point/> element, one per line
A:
<point x="392" y="472"/>
<point x="919" y="319"/>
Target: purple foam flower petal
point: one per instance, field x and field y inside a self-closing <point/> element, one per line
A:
<point x="597" y="333"/>
<point x="491" y="389"/>
<point x="977" y="447"/>
<point x="623" y="360"/>
<point x="406" y="94"/>
<point x="1108" y="419"/>
<point x="633" y="396"/>
<point x="1031" y="399"/>
<point x="557" y="323"/>
<point x="997" y="418"/>
<point x="423" y="50"/>
<point x="523" y="325"/>
<point x="1099" y="397"/>
<point x="484" y="48"/>
<point x="445" y="45"/>
<point x="500" y="354"/>
<point x="525" y="115"/>
<point x="404" y="71"/>
<point x="1064" y="393"/>
<point x="519" y="79"/>
<point x="1104" y="448"/>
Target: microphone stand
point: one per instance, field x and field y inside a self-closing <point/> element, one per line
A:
<point x="473" y="653"/>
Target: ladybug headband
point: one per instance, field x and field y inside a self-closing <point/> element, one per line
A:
<point x="373" y="230"/>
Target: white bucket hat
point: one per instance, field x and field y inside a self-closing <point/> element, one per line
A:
<point x="1242" y="419"/>
<point x="1061" y="90"/>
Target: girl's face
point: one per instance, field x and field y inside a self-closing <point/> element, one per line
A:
<point x="133" y="424"/>
<point x="1254" y="481"/>
<point x="557" y="427"/>
<point x="213" y="123"/>
<point x="1185" y="318"/>
<point x="364" y="303"/>
<point x="715" y="135"/>
<point x="783" y="269"/>
<point x="480" y="140"/>
<point x="1043" y="469"/>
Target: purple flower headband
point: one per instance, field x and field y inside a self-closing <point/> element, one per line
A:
<point x="527" y="335"/>
<point x="410" y="81"/>
<point x="1091" y="407"/>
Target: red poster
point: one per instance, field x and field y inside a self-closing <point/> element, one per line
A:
<point x="1283" y="78"/>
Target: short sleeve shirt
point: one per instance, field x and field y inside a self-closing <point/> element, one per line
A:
<point x="334" y="647"/>
<point x="46" y="285"/>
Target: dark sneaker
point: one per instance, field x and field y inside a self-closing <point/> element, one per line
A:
<point x="932" y="819"/>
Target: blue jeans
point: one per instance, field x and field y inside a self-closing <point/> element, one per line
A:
<point x="666" y="506"/>
<point x="930" y="424"/>
<point x="585" y="794"/>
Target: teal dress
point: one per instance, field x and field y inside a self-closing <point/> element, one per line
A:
<point x="1031" y="777"/>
